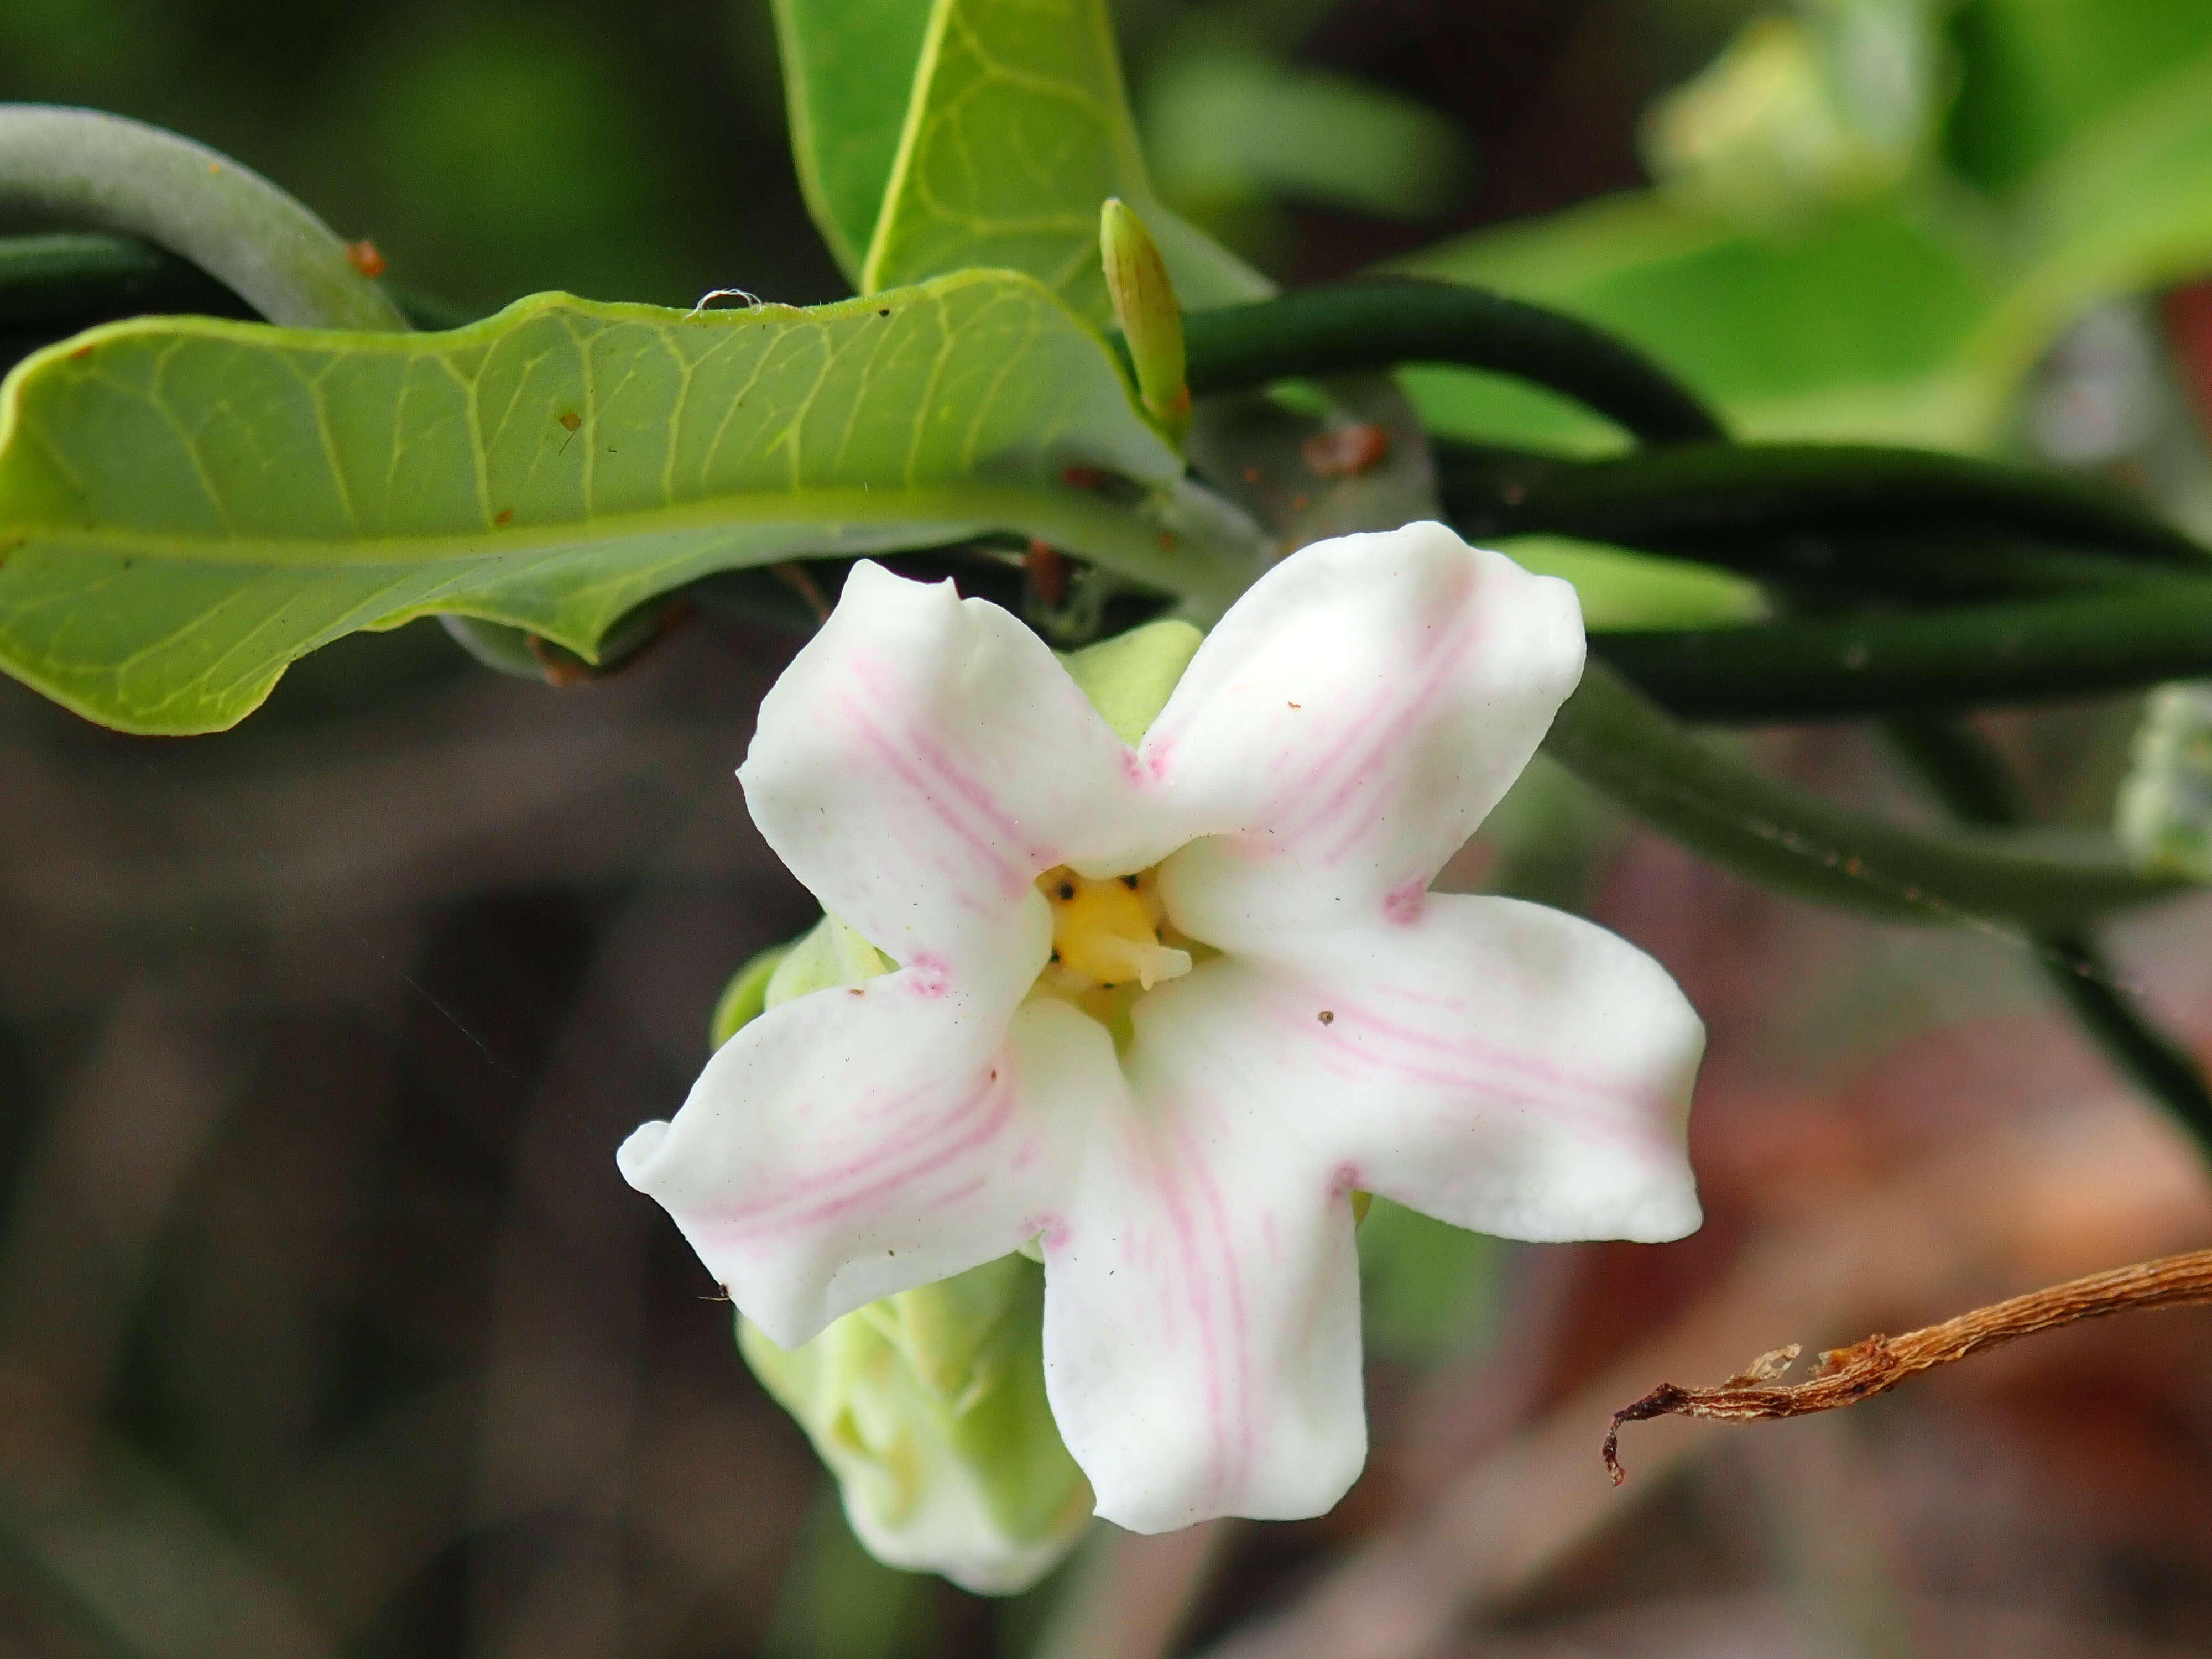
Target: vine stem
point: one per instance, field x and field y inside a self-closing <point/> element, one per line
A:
<point x="64" y="277"/>
<point x="84" y="168"/>
<point x="1616" y="740"/>
<point x="1688" y="495"/>
<point x="1372" y="326"/>
<point x="1876" y="1365"/>
<point x="1967" y="656"/>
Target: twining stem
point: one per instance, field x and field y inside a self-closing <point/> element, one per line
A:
<point x="83" y="169"/>
<point x="1740" y="498"/>
<point x="1371" y="325"/>
<point x="1966" y="656"/>
<point x="1876" y="1365"/>
<point x="1618" y="742"/>
<point x="68" y="277"/>
<point x="1971" y="779"/>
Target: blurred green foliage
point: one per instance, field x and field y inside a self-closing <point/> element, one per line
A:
<point x="489" y="149"/>
<point x="1824" y="263"/>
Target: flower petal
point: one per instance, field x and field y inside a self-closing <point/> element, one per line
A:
<point x="1349" y="723"/>
<point x="923" y="760"/>
<point x="867" y="1139"/>
<point x="1495" y="1064"/>
<point x="1201" y="1335"/>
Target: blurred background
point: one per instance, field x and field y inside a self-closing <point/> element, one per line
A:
<point x="327" y="1328"/>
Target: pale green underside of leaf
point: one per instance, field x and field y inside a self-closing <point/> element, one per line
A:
<point x="1903" y="319"/>
<point x="186" y="505"/>
<point x="848" y="70"/>
<point x="1019" y="130"/>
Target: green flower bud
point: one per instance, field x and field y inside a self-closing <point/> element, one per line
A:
<point x="2163" y="814"/>
<point x="1145" y="304"/>
<point x="929" y="1407"/>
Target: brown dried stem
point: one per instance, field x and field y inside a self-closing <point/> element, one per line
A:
<point x="1877" y="1364"/>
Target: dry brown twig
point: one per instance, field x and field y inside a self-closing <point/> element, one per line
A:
<point x="1877" y="1363"/>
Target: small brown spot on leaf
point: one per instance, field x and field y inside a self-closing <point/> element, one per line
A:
<point x="1327" y="1015"/>
<point x="505" y="515"/>
<point x="570" y="420"/>
<point x="81" y="354"/>
<point x="364" y="258"/>
<point x="855" y="991"/>
<point x="1081" y="478"/>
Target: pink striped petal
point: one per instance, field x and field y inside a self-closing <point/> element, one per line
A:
<point x="1349" y="723"/>
<point x="1201" y="1335"/>
<point x="866" y="1139"/>
<point x="923" y="759"/>
<point x="1495" y="1064"/>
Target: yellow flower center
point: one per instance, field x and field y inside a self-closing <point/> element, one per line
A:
<point x="1106" y="934"/>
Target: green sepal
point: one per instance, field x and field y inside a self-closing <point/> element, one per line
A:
<point x="746" y="995"/>
<point x="829" y="953"/>
<point x="1130" y="677"/>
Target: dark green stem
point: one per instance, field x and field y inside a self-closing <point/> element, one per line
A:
<point x="1853" y="667"/>
<point x="82" y="169"/>
<point x="1371" y="325"/>
<point x="1966" y="775"/>
<point x="1691" y="495"/>
<point x="72" y="277"/>
<point x="1617" y="741"/>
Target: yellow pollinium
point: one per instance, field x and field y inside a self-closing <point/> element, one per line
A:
<point x="1106" y="933"/>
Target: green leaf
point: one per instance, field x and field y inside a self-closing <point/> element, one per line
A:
<point x="188" y="505"/>
<point x="848" y="71"/>
<point x="1898" y="318"/>
<point x="2036" y="74"/>
<point x="1228" y="124"/>
<point x="1018" y="129"/>
<point x="1620" y="589"/>
<point x="1857" y="327"/>
<point x="2126" y="206"/>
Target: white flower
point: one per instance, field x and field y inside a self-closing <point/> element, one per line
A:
<point x="1236" y="1003"/>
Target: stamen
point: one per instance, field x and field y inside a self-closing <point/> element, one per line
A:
<point x="1105" y="932"/>
<point x="1150" y="964"/>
